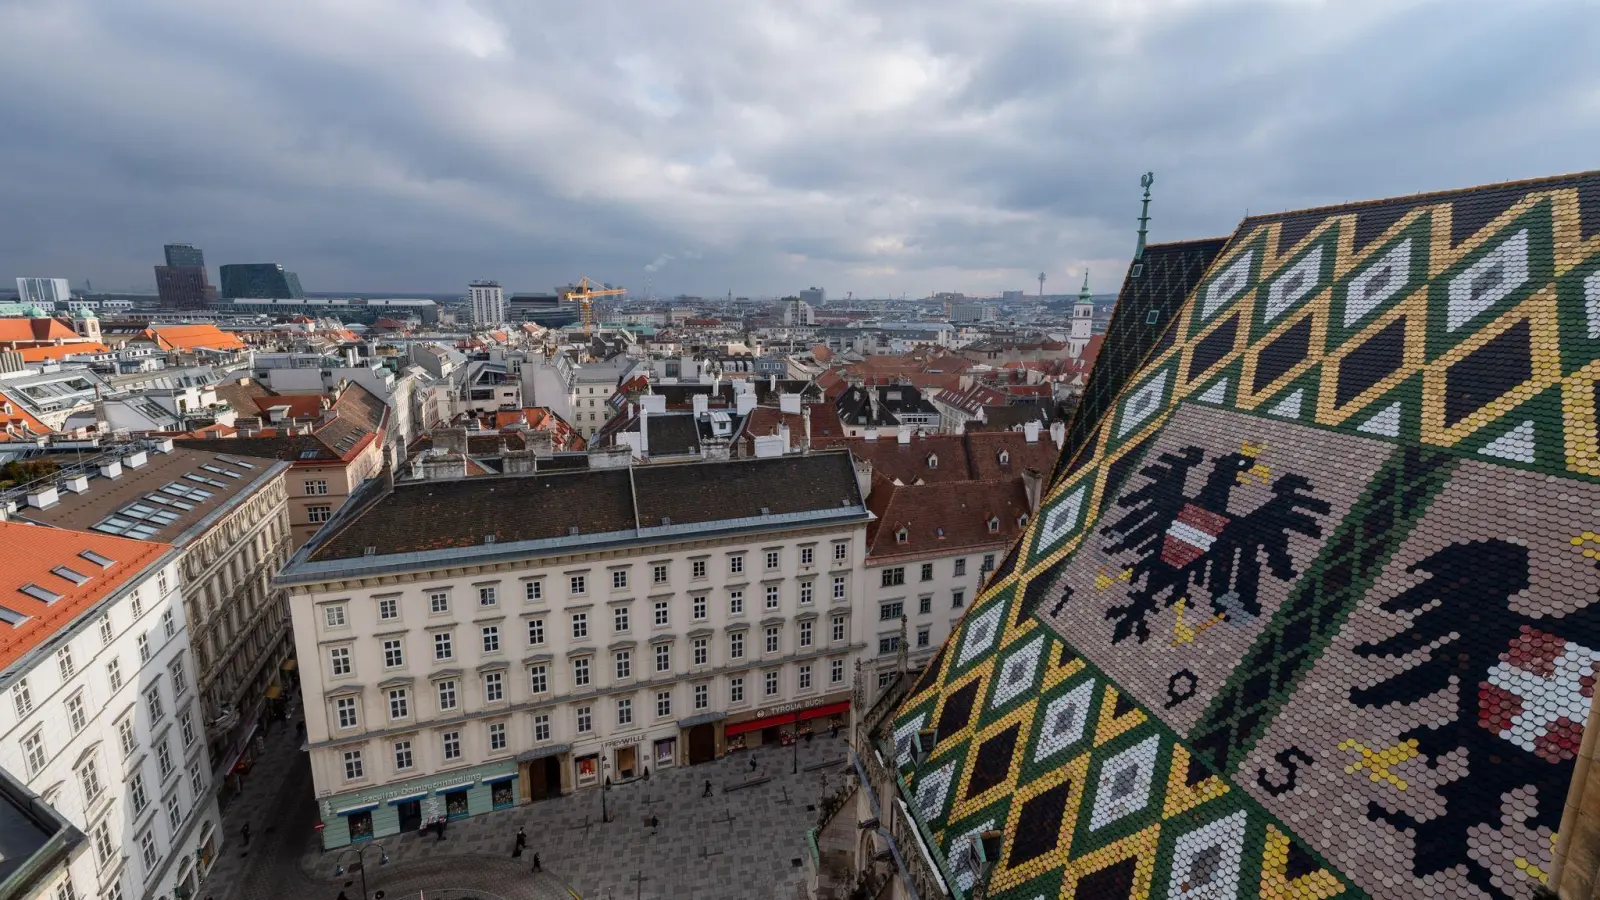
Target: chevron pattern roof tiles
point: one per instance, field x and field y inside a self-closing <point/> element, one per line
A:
<point x="1312" y="607"/>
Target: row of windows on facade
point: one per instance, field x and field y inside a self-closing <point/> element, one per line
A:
<point x="78" y="703"/>
<point x="583" y="716"/>
<point x="891" y="610"/>
<point x="660" y="573"/>
<point x="36" y="755"/>
<point x="341" y="664"/>
<point x="93" y="784"/>
<point x="335" y="615"/>
<point x="896" y="575"/>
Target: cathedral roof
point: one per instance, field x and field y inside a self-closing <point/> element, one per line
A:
<point x="1312" y="606"/>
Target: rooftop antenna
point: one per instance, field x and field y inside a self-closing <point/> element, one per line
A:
<point x="1041" y="285"/>
<point x="1145" y="181"/>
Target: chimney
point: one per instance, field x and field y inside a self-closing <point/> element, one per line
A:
<point x="783" y="432"/>
<point x="541" y="443"/>
<point x="619" y="456"/>
<point x="656" y="403"/>
<point x="1033" y="486"/>
<point x="715" y="449"/>
<point x="442" y="465"/>
<point x="452" y="439"/>
<point x="700" y="403"/>
<point x="1058" y="433"/>
<point x="518" y="462"/>
<point x="744" y="403"/>
<point x="1030" y="431"/>
<point x="772" y="383"/>
<point x="644" y="433"/>
<point x="863" y="476"/>
<point x="805" y="417"/>
<point x="870" y="433"/>
<point x="789" y="403"/>
<point x="904" y="435"/>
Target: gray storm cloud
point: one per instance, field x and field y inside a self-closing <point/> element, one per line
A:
<point x="880" y="147"/>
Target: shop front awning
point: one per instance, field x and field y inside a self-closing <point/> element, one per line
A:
<point x="788" y="718"/>
<point x="350" y="811"/>
<point x="542" y="752"/>
<point x="496" y="779"/>
<point x="704" y="718"/>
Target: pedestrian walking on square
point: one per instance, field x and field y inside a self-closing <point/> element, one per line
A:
<point x="536" y="866"/>
<point x="708" y="790"/>
<point x="654" y="822"/>
<point x="752" y="762"/>
<point x="244" y="833"/>
<point x="834" y="728"/>
<point x="522" y="840"/>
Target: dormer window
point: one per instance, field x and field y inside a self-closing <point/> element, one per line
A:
<point x="1005" y="457"/>
<point x="933" y="460"/>
<point x="994" y="524"/>
<point x="1022" y="521"/>
<point x="902" y="536"/>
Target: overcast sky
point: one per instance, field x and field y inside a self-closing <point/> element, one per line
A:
<point x="901" y="146"/>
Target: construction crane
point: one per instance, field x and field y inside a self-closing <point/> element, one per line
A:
<point x="583" y="292"/>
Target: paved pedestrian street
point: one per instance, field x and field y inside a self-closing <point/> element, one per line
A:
<point x="746" y="842"/>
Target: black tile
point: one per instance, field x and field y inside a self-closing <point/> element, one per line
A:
<point x="1213" y="348"/>
<point x="1498" y="366"/>
<point x="993" y="765"/>
<point x="1039" y="825"/>
<point x="1114" y="882"/>
<point x="1283" y="354"/>
<point x="1370" y="363"/>
<point x="957" y="710"/>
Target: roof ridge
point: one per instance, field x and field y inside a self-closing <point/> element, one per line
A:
<point x="1404" y="198"/>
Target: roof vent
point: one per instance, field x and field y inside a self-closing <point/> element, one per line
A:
<point x="164" y="445"/>
<point x="369" y="551"/>
<point x="665" y="521"/>
<point x="488" y="539"/>
<point x="766" y="511"/>
<point x="572" y="531"/>
<point x="112" y="469"/>
<point x="135" y="460"/>
<point x="76" y="484"/>
<point x="44" y="498"/>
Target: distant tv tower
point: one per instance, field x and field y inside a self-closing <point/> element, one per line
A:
<point x="1041" y="285"/>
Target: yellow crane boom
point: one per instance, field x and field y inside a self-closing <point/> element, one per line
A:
<point x="583" y="292"/>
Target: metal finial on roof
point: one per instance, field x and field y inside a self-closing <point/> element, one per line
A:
<point x="1145" y="181"/>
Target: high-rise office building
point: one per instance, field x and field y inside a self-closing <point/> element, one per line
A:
<point x="260" y="281"/>
<point x="488" y="303"/>
<point x="183" y="282"/>
<point x="185" y="255"/>
<point x="814" y="295"/>
<point x="45" y="292"/>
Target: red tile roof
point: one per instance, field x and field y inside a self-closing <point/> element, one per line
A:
<point x="32" y="551"/>
<point x="27" y="332"/>
<point x="60" y="351"/>
<point x="193" y="337"/>
<point x="939" y="518"/>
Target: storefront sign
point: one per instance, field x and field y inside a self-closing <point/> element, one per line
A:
<point x="620" y="742"/>
<point x="413" y="789"/>
<point x="782" y="708"/>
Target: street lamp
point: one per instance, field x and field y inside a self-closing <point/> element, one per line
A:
<point x="605" y="788"/>
<point x="361" y="853"/>
<point x="794" y="768"/>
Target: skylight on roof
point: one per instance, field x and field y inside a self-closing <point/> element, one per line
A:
<point x="309" y="454"/>
<point x="38" y="593"/>
<point x="104" y="562"/>
<point x="70" y="575"/>
<point x="235" y="462"/>
<point x="204" y="480"/>
<point x="220" y="471"/>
